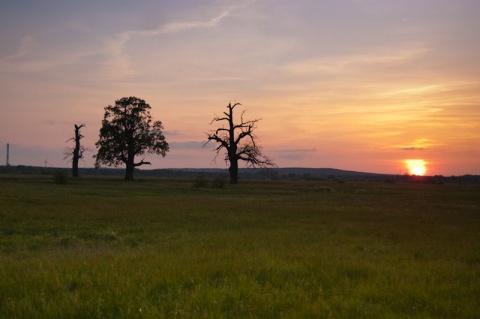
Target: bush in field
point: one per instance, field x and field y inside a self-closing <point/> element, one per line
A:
<point x="60" y="177"/>
<point x="218" y="183"/>
<point x="200" y="181"/>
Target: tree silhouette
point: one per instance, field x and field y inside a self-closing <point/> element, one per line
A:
<point x="127" y="131"/>
<point x="76" y="153"/>
<point x="238" y="141"/>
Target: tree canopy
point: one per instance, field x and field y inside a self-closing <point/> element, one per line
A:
<point x="127" y="132"/>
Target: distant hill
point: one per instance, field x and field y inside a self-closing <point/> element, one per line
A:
<point x="290" y="173"/>
<point x="245" y="173"/>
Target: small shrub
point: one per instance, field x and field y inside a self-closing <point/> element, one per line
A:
<point x="60" y="177"/>
<point x="218" y="183"/>
<point x="200" y="181"/>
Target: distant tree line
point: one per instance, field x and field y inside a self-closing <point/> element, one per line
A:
<point x="293" y="174"/>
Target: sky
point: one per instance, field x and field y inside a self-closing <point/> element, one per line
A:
<point x="361" y="85"/>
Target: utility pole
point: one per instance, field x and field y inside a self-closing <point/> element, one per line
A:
<point x="8" y="154"/>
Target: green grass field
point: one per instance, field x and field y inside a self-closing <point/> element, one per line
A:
<point x="158" y="248"/>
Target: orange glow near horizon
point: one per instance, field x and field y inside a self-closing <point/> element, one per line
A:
<point x="416" y="166"/>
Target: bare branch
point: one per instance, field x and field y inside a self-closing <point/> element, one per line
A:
<point x="221" y="129"/>
<point x="234" y="105"/>
<point x="142" y="162"/>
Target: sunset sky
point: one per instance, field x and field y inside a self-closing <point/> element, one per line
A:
<point x="358" y="85"/>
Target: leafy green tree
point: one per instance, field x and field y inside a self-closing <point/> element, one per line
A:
<point x="238" y="141"/>
<point x="127" y="132"/>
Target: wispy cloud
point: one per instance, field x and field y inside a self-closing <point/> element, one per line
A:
<point x="26" y="45"/>
<point x="32" y="56"/>
<point x="294" y="154"/>
<point x="300" y="150"/>
<point x="413" y="148"/>
<point x="186" y="145"/>
<point x="379" y="58"/>
<point x="418" y="145"/>
<point x="118" y="63"/>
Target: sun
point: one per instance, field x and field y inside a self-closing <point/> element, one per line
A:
<point x="416" y="166"/>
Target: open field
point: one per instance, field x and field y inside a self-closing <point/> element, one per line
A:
<point x="159" y="248"/>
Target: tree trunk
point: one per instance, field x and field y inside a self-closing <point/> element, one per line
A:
<point x="76" y="151"/>
<point x="129" y="171"/>
<point x="76" y="156"/>
<point x="233" y="169"/>
<point x="75" y="166"/>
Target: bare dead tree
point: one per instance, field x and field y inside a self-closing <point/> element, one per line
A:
<point x="76" y="153"/>
<point x="238" y="141"/>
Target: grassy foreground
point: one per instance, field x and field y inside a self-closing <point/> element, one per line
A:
<point x="156" y="248"/>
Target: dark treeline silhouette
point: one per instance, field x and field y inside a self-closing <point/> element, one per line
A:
<point x="298" y="174"/>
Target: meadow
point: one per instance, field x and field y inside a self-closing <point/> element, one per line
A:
<point x="100" y="247"/>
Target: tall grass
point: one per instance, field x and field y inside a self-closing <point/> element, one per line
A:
<point x="156" y="248"/>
